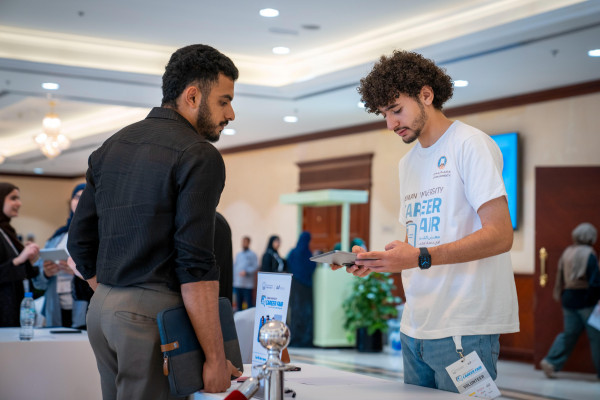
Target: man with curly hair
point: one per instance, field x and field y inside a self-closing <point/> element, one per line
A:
<point x="142" y="235"/>
<point x="455" y="266"/>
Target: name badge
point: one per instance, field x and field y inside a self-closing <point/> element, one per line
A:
<point x="472" y="378"/>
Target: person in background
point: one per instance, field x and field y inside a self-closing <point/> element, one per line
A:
<point x="301" y="295"/>
<point x="244" y="269"/>
<point x="224" y="256"/>
<point x="271" y="261"/>
<point x="454" y="260"/>
<point x="143" y="233"/>
<point x="60" y="307"/>
<point x="577" y="287"/>
<point x="16" y="260"/>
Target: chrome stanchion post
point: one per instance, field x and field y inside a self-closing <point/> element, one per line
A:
<point x="274" y="336"/>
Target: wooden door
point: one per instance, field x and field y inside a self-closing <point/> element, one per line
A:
<point x="325" y="223"/>
<point x="564" y="197"/>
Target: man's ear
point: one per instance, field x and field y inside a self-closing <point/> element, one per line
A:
<point x="192" y="97"/>
<point x="426" y="95"/>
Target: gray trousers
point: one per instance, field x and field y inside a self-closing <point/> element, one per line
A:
<point x="124" y="335"/>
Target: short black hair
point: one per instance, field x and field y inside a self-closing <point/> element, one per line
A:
<point x="404" y="72"/>
<point x="197" y="63"/>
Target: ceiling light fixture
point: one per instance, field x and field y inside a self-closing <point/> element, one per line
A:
<point x="280" y="50"/>
<point x="228" y="131"/>
<point x="461" y="83"/>
<point x="594" y="53"/>
<point x="50" y="86"/>
<point x="50" y="140"/>
<point x="269" y="12"/>
<point x="290" y="119"/>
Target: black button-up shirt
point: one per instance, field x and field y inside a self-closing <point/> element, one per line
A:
<point x="147" y="214"/>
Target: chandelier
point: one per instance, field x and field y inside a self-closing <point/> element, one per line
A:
<point x="50" y="140"/>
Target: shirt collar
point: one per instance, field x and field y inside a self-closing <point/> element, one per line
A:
<point x="169" y="113"/>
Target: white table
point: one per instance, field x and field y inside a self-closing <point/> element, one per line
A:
<point x="51" y="366"/>
<point x="315" y="382"/>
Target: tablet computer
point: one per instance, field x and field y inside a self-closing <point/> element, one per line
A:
<point x="337" y="257"/>
<point x="53" y="254"/>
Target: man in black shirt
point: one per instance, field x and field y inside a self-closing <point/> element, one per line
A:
<point x="143" y="233"/>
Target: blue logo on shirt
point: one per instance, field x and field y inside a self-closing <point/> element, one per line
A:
<point x="442" y="162"/>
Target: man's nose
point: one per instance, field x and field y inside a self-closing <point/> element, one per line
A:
<point x="390" y="122"/>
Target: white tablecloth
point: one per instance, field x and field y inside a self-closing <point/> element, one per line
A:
<point x="315" y="382"/>
<point x="51" y="366"/>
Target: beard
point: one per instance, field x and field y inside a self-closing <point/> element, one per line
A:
<point x="205" y="126"/>
<point x="418" y="124"/>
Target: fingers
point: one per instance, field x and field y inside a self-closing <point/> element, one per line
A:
<point x="335" y="267"/>
<point x="392" y="245"/>
<point x="358" y="270"/>
<point x="233" y="370"/>
<point x="358" y="249"/>
<point x="362" y="272"/>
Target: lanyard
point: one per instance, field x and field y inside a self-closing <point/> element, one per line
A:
<point x="459" y="348"/>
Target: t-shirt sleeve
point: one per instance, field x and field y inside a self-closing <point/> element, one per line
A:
<point x="480" y="167"/>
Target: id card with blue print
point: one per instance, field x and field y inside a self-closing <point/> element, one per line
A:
<point x="472" y="378"/>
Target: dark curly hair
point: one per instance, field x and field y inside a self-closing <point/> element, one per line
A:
<point x="196" y="63"/>
<point x="404" y="72"/>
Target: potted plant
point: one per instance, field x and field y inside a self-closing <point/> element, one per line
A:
<point x="367" y="310"/>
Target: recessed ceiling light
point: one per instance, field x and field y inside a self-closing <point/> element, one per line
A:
<point x="594" y="53"/>
<point x="38" y="171"/>
<point x="228" y="131"/>
<point x="460" y="83"/>
<point x="50" y="85"/>
<point x="311" y="27"/>
<point x="361" y="104"/>
<point x="269" y="12"/>
<point x="290" y="118"/>
<point x="281" y="50"/>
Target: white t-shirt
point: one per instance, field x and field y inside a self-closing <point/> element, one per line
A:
<point x="441" y="189"/>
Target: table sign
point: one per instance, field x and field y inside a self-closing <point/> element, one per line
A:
<point x="272" y="300"/>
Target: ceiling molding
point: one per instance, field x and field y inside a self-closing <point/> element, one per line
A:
<point x="427" y="29"/>
<point x="497" y="104"/>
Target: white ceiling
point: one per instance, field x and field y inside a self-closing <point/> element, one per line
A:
<point x="108" y="57"/>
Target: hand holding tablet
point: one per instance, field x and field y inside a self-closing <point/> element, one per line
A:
<point x="338" y="257"/>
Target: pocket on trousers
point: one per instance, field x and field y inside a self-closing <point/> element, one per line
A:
<point x="135" y="318"/>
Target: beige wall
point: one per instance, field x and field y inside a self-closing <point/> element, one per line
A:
<point x="256" y="179"/>
<point x="45" y="205"/>
<point x="553" y="133"/>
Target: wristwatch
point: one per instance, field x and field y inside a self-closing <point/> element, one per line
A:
<point x="424" y="258"/>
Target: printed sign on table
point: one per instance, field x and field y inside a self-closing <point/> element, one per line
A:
<point x="272" y="299"/>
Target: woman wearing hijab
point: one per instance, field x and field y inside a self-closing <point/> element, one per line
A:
<point x="578" y="288"/>
<point x="15" y="259"/>
<point x="301" y="295"/>
<point x="61" y="308"/>
<point x="271" y="261"/>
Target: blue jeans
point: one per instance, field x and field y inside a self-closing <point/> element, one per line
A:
<point x="425" y="361"/>
<point x="575" y="322"/>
